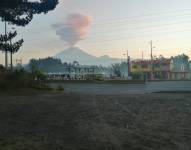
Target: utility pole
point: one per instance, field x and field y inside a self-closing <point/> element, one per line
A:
<point x="6" y="58"/>
<point x="127" y="63"/>
<point x="11" y="57"/>
<point x="142" y="55"/>
<point x="11" y="53"/>
<point x="128" y="58"/>
<point x="127" y="54"/>
<point x="152" y="67"/>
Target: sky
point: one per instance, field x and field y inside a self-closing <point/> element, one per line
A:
<point x="116" y="26"/>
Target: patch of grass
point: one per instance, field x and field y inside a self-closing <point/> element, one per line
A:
<point x="59" y="88"/>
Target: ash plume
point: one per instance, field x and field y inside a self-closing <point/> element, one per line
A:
<point x="73" y="29"/>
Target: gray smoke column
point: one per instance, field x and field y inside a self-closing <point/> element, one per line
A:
<point x="73" y="29"/>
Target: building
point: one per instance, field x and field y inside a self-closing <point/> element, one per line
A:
<point x="175" y="68"/>
<point x="74" y="73"/>
<point x="189" y="70"/>
<point x="179" y="67"/>
<point x="160" y="68"/>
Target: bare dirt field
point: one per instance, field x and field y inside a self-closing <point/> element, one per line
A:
<point x="64" y="121"/>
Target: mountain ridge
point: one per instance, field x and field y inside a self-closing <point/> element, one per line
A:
<point x="76" y="54"/>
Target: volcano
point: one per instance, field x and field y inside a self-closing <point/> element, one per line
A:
<point x="76" y="54"/>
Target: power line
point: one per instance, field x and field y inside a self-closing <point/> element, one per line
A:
<point x="101" y="34"/>
<point x="147" y="15"/>
<point x="140" y="27"/>
<point x="139" y="16"/>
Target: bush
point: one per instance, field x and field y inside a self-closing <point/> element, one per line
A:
<point x="15" y="79"/>
<point x="136" y="75"/>
<point x="21" y="79"/>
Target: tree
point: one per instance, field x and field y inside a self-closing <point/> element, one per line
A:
<point x="38" y="75"/>
<point x="116" y="69"/>
<point x="185" y="57"/>
<point x="6" y="44"/>
<point x="20" y="12"/>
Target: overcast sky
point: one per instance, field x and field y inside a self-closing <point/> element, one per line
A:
<point x="117" y="25"/>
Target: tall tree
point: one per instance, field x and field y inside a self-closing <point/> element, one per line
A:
<point x="6" y="44"/>
<point x="20" y="12"/>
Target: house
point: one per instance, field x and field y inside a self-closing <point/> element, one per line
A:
<point x="189" y="70"/>
<point x="158" y="68"/>
<point x="179" y="67"/>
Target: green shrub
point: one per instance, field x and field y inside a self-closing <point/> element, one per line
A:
<point x="136" y="75"/>
<point x="21" y="79"/>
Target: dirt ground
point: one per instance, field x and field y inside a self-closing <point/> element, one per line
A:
<point x="58" y="121"/>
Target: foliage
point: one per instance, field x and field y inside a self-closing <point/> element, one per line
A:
<point x="120" y="69"/>
<point x="46" y="61"/>
<point x="7" y="46"/>
<point x="38" y="76"/>
<point x="22" y="79"/>
<point x="136" y="75"/>
<point x="116" y="69"/>
<point x="50" y="64"/>
<point x="180" y="63"/>
<point x="182" y="56"/>
<point x="20" y="12"/>
<point x="15" y="79"/>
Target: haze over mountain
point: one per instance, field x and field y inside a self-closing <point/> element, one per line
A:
<point x="77" y="54"/>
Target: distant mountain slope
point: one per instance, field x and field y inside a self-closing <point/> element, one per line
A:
<point x="76" y="54"/>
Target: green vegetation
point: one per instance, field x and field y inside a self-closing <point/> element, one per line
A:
<point x="136" y="75"/>
<point x="15" y="79"/>
<point x="7" y="45"/>
<point x="21" y="12"/>
<point x="21" y="79"/>
<point x="48" y="64"/>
